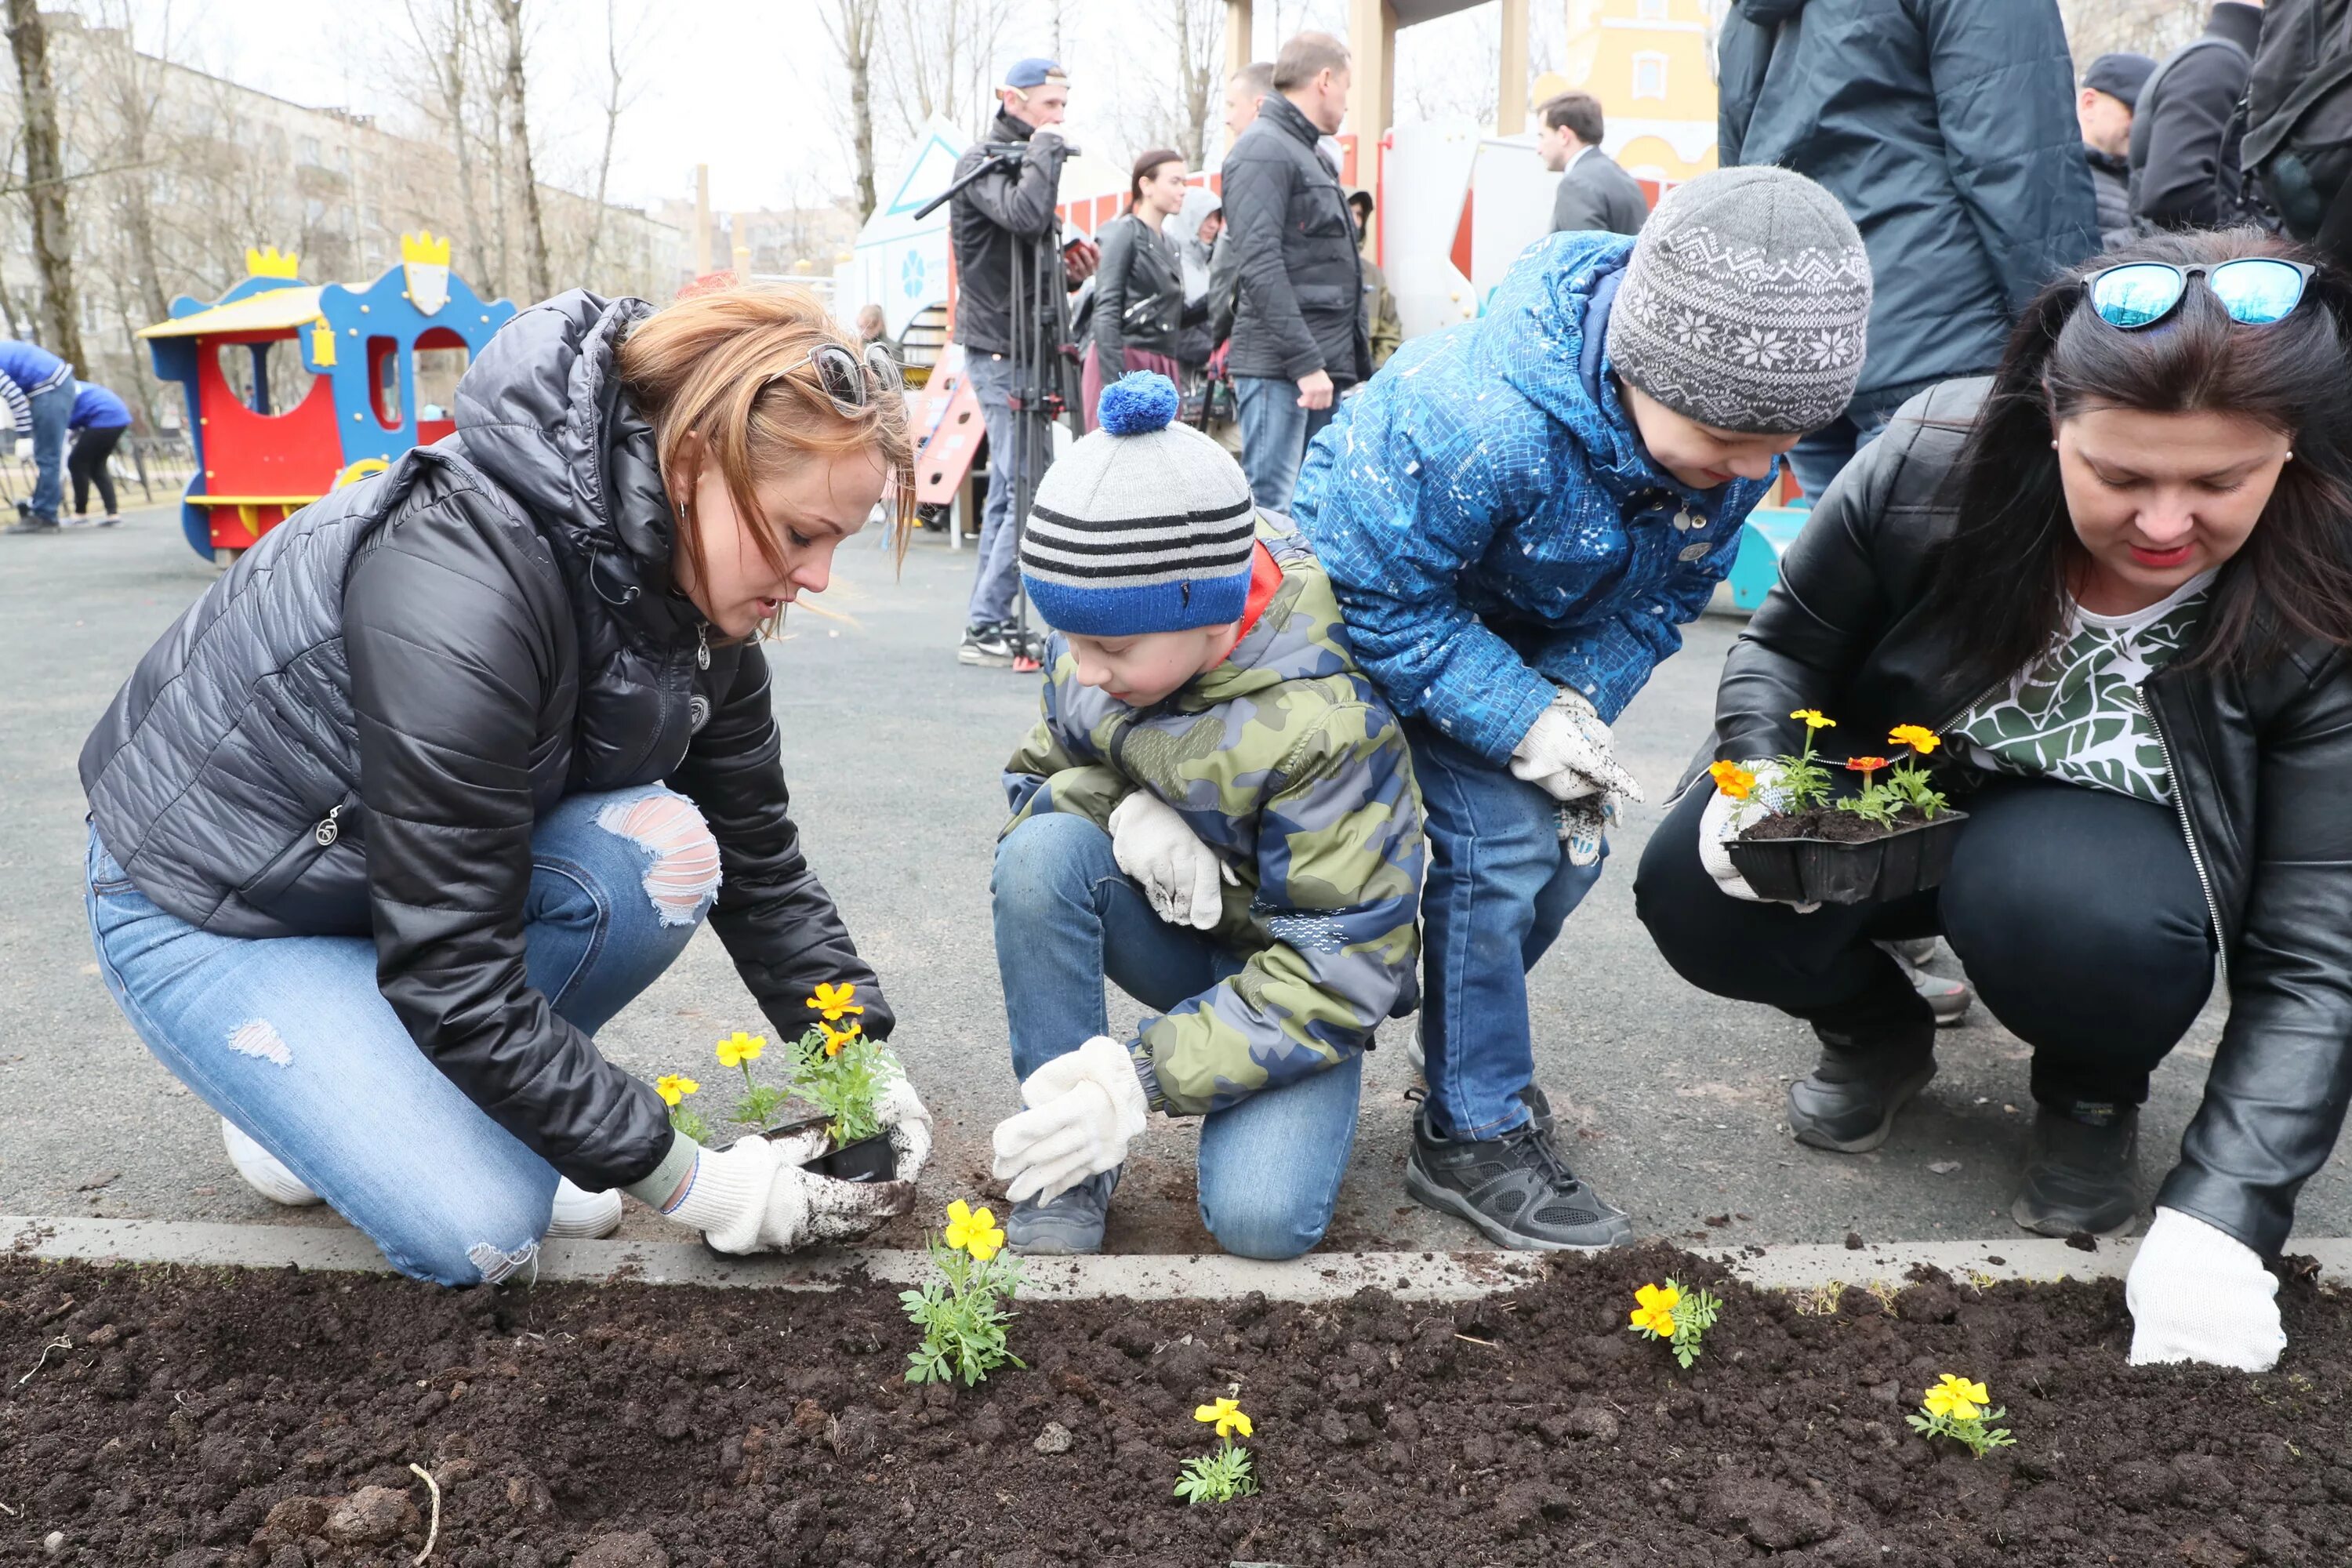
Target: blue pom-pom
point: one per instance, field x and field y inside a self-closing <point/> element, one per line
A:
<point x="1139" y="400"/>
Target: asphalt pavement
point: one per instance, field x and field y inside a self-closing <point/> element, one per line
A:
<point x="1671" y="1100"/>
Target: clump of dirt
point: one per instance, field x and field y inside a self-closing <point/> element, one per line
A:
<point x="217" y="1419"/>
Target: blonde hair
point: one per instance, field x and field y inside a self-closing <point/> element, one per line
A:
<point x="732" y="367"/>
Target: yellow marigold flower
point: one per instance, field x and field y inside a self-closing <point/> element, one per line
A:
<point x="740" y="1047"/>
<point x="1225" y="1416"/>
<point x="973" y="1230"/>
<point x="674" y="1086"/>
<point x="1957" y="1398"/>
<point x="1919" y="737"/>
<point x="835" y="1039"/>
<point x="1732" y="780"/>
<point x="833" y="1001"/>
<point x="1657" y="1311"/>
<point x="1815" y="718"/>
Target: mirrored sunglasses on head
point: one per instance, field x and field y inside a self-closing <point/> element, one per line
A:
<point x="2256" y="291"/>
<point x="849" y="382"/>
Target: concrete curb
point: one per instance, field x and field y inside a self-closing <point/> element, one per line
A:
<point x="1319" y="1277"/>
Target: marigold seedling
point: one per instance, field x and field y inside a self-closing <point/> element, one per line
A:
<point x="1666" y="1312"/>
<point x="964" y="1312"/>
<point x="761" y="1101"/>
<point x="674" y="1086"/>
<point x="1956" y="1408"/>
<point x="1225" y="1474"/>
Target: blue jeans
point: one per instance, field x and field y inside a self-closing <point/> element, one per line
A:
<point x="289" y="1038"/>
<point x="1274" y="433"/>
<point x="1500" y="886"/>
<point x="998" y="572"/>
<point x="1820" y="456"/>
<point x="1066" y="917"/>
<point x="51" y="409"/>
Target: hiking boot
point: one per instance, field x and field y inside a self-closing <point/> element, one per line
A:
<point x="262" y="1171"/>
<point x="1070" y="1226"/>
<point x="31" y="525"/>
<point x="582" y="1213"/>
<point x="2082" y="1172"/>
<point x="992" y="644"/>
<point x="1947" y="999"/>
<point x="1848" y="1102"/>
<point x="1514" y="1186"/>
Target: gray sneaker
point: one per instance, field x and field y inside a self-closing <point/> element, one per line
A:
<point x="1516" y="1187"/>
<point x="1947" y="999"/>
<point x="1069" y="1225"/>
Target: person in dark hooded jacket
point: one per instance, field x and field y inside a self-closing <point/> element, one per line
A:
<point x="1946" y="128"/>
<point x="452" y="764"/>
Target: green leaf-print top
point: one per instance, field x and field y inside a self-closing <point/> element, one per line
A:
<point x="2075" y="714"/>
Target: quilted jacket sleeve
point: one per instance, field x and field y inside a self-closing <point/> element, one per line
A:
<point x="777" y="921"/>
<point x="1055" y="770"/>
<point x="449" y="664"/>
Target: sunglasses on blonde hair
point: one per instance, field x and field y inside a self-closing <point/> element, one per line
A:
<point x="849" y="384"/>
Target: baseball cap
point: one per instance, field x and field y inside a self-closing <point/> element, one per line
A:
<point x="1034" y="71"/>
<point x="2120" y="76"/>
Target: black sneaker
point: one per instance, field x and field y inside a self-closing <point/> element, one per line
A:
<point x="31" y="525"/>
<point x="2082" y="1172"/>
<point x="992" y="644"/>
<point x="1071" y="1225"/>
<point x="1516" y="1187"/>
<point x="1849" y="1101"/>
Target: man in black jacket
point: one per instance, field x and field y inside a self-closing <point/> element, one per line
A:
<point x="1298" y="330"/>
<point x="1594" y="192"/>
<point x="1005" y="210"/>
<point x="2104" y="109"/>
<point x="2184" y="165"/>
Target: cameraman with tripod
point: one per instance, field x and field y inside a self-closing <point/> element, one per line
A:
<point x="1014" y="328"/>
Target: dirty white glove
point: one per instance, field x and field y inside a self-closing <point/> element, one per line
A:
<point x="1566" y="754"/>
<point x="1178" y="873"/>
<point x="754" y="1196"/>
<point x="902" y="1116"/>
<point x="1085" y="1108"/>
<point x="1723" y="821"/>
<point x="2200" y="1294"/>
<point x="1584" y="827"/>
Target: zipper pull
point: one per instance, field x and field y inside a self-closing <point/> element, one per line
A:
<point x="329" y="829"/>
<point x="701" y="644"/>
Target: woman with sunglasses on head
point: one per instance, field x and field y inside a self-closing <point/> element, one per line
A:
<point x="452" y="764"/>
<point x="2116" y="580"/>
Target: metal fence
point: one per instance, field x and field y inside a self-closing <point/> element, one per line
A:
<point x="148" y="470"/>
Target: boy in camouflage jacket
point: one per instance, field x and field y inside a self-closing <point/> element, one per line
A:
<point x="1217" y="812"/>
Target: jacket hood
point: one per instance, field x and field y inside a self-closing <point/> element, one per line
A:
<point x="541" y="413"/>
<point x="1298" y="637"/>
<point x="1769" y="13"/>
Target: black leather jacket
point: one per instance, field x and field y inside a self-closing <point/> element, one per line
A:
<point x="430" y="659"/>
<point x="1139" y="295"/>
<point x="2260" y="764"/>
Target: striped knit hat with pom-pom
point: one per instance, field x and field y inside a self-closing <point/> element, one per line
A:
<point x="1144" y="526"/>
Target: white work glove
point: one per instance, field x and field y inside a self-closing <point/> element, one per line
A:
<point x="1565" y="754"/>
<point x="1085" y="1108"/>
<point x="1723" y="821"/>
<point x="1178" y="873"/>
<point x="1584" y="827"/>
<point x="754" y="1196"/>
<point x="2200" y="1294"/>
<point x="903" y="1117"/>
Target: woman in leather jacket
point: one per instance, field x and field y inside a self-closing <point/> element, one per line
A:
<point x="452" y="765"/>
<point x="2115" y="579"/>
<point x="1140" y="307"/>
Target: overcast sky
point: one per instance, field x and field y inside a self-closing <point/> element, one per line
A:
<point x="751" y="87"/>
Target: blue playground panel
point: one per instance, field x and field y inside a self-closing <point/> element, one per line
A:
<point x="1768" y="532"/>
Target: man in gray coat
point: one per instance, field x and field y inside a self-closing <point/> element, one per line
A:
<point x="1594" y="192"/>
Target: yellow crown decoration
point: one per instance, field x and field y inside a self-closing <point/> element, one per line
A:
<point x="424" y="248"/>
<point x="270" y="262"/>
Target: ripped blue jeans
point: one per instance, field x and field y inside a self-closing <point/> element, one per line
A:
<point x="289" y="1038"/>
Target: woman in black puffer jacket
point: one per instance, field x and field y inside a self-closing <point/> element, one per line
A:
<point x="2117" y="580"/>
<point x="452" y="765"/>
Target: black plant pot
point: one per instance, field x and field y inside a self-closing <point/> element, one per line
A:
<point x="1911" y="859"/>
<point x="867" y="1159"/>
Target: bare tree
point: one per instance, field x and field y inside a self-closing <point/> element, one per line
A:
<point x="45" y="181"/>
<point x="1197" y="26"/>
<point x="940" y="52"/>
<point x="855" y="27"/>
<point x="2157" y="27"/>
<point x="618" y="59"/>
<point x="442" y="29"/>
<point x="510" y="14"/>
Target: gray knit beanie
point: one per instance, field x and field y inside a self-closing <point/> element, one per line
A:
<point x="1746" y="304"/>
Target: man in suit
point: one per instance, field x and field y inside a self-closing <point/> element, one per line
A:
<point x="1594" y="193"/>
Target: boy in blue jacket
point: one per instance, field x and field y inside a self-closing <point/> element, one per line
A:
<point x="1517" y="515"/>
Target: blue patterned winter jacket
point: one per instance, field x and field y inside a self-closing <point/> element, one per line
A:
<point x="1492" y="523"/>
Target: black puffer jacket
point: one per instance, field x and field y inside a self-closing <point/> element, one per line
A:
<point x="2259" y="766"/>
<point x="355" y="731"/>
<point x="1300" y="293"/>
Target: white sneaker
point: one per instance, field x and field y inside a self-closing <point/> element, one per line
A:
<point x="262" y="1171"/>
<point x="584" y="1214"/>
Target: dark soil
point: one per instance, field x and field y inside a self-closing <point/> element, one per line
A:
<point x="1828" y="822"/>
<point x="207" y="1420"/>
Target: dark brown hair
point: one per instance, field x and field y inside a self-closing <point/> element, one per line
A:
<point x="1145" y="167"/>
<point x="1998" y="588"/>
<point x="1577" y="111"/>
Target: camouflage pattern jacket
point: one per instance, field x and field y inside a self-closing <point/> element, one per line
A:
<point x="1285" y="763"/>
